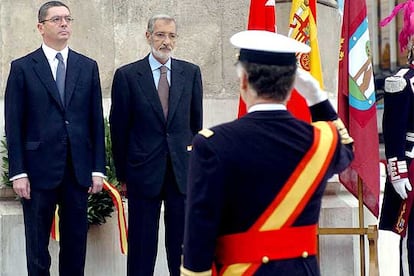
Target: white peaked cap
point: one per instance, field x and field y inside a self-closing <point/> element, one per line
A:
<point x="264" y="47"/>
<point x="268" y="42"/>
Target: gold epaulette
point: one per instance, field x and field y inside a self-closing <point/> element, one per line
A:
<point x="343" y="132"/>
<point x="185" y="272"/>
<point x="206" y="132"/>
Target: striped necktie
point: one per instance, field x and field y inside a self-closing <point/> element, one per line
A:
<point x="60" y="77"/>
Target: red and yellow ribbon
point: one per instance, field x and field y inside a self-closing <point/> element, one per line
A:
<point x="119" y="205"/>
<point x="54" y="232"/>
<point x="122" y="226"/>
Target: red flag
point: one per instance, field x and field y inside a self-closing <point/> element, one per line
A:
<point x="356" y="103"/>
<point x="261" y="17"/>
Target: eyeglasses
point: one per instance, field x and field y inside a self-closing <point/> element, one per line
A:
<point x="163" y="36"/>
<point x="59" y="19"/>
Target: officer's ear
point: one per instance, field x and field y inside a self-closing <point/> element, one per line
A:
<point x="244" y="87"/>
<point x="243" y="79"/>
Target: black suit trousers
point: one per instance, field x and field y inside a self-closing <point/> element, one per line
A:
<point x="143" y="226"/>
<point x="38" y="213"/>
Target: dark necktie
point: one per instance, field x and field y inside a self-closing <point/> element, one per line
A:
<point x="60" y="77"/>
<point x="163" y="89"/>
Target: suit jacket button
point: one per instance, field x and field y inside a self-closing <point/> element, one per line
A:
<point x="265" y="259"/>
<point x="66" y="122"/>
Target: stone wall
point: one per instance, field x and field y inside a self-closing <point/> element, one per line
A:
<point x="113" y="33"/>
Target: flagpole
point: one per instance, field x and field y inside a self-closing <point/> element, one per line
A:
<point x="371" y="232"/>
<point x="361" y="225"/>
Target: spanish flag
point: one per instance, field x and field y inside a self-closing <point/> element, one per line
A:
<point x="302" y="27"/>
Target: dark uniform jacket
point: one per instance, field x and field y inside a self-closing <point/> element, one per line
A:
<point x="238" y="170"/>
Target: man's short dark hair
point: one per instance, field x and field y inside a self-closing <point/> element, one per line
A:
<point x="270" y="81"/>
<point x="41" y="16"/>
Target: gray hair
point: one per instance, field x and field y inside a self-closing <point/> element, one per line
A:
<point x="156" y="17"/>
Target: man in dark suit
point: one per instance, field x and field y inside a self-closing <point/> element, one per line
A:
<point x="255" y="184"/>
<point x="154" y="115"/>
<point x="55" y="139"/>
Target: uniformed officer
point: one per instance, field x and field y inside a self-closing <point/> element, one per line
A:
<point x="255" y="184"/>
<point x="398" y="131"/>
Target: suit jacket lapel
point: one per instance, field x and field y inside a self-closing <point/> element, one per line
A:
<point x="72" y="74"/>
<point x="146" y="81"/>
<point x="42" y="69"/>
<point x="176" y="88"/>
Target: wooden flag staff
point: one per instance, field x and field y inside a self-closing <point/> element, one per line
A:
<point x="371" y="232"/>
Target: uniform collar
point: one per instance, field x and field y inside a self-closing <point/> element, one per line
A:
<point x="266" y="107"/>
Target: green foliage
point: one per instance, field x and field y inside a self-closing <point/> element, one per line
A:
<point x="100" y="205"/>
<point x="5" y="164"/>
<point x="110" y="167"/>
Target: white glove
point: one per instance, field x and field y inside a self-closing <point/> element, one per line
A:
<point x="309" y="88"/>
<point x="401" y="186"/>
